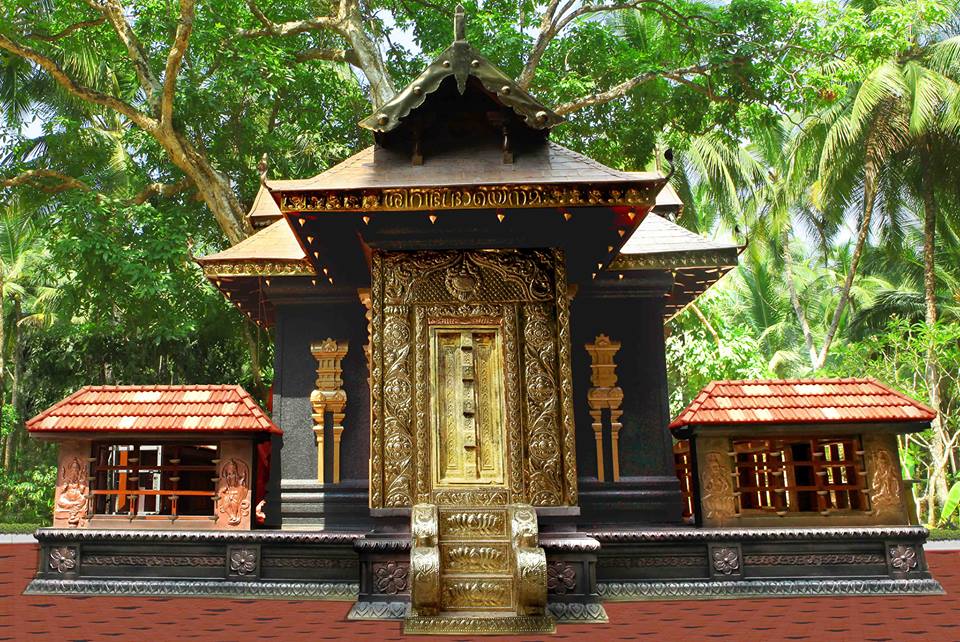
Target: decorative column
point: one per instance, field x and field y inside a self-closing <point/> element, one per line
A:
<point x="605" y="394"/>
<point x="328" y="396"/>
<point x="364" y="294"/>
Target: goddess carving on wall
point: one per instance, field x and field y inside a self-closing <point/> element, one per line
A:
<point x="72" y="500"/>
<point x="885" y="485"/>
<point x="717" y="489"/>
<point x="232" y="497"/>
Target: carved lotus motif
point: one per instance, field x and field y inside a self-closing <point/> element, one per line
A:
<point x="63" y="559"/>
<point x="390" y="578"/>
<point x="903" y="558"/>
<point x="560" y="577"/>
<point x="726" y="560"/>
<point x="243" y="561"/>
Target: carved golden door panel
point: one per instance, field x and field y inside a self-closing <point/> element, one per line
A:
<point x="467" y="419"/>
<point x="471" y="392"/>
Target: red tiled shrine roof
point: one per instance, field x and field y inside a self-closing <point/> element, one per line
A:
<point x="200" y="408"/>
<point x="800" y="401"/>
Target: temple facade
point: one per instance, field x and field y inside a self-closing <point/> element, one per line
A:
<point x="469" y="424"/>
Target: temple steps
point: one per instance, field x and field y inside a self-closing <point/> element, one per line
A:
<point x="477" y="570"/>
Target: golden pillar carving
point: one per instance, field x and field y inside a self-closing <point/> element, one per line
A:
<point x="605" y="394"/>
<point x="328" y="395"/>
<point x="367" y="301"/>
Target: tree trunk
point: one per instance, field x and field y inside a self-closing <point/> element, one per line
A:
<point x="368" y="58"/>
<point x="8" y="442"/>
<point x="253" y="347"/>
<point x="937" y="485"/>
<point x="213" y="187"/>
<point x="795" y="300"/>
<point x="870" y="170"/>
<point x="17" y="358"/>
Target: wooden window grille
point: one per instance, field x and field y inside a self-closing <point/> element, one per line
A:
<point x="800" y="475"/>
<point x="681" y="464"/>
<point x="155" y="481"/>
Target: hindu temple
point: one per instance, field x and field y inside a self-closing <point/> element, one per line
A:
<point x="469" y="428"/>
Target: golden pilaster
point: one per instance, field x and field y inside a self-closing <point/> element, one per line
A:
<point x="605" y="395"/>
<point x="328" y="396"/>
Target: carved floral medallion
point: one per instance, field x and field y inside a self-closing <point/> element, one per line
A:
<point x="561" y="578"/>
<point x="63" y="559"/>
<point x="726" y="561"/>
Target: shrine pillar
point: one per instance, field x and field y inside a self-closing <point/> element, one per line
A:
<point x="307" y="493"/>
<point x="628" y="311"/>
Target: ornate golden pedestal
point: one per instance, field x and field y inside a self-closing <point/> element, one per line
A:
<point x="477" y="570"/>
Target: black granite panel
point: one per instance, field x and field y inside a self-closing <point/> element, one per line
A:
<point x="298" y="326"/>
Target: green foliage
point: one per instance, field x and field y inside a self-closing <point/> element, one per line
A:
<point x="20" y="528"/>
<point x="950" y="506"/>
<point x="695" y="358"/>
<point x="27" y="497"/>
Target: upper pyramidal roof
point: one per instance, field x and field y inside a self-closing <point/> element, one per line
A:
<point x="462" y="62"/>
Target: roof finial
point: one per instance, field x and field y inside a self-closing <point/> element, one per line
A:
<point x="459" y="25"/>
<point x="262" y="168"/>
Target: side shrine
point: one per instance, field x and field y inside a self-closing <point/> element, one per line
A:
<point x="471" y="386"/>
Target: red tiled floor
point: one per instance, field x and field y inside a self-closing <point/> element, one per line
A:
<point x="32" y="617"/>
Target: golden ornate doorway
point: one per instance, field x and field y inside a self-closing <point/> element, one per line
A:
<point x="470" y="379"/>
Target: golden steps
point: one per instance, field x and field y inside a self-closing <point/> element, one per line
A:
<point x="477" y="570"/>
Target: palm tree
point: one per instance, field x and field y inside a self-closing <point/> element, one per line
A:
<point x="20" y="264"/>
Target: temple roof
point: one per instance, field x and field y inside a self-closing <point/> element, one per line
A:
<point x="264" y="209"/>
<point x="695" y="262"/>
<point x="197" y="408"/>
<point x="475" y="165"/>
<point x="800" y="401"/>
<point x="461" y="61"/>
<point x="660" y="238"/>
<point x="273" y="244"/>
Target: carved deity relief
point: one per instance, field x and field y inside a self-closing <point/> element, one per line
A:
<point x="716" y="486"/>
<point x="521" y="296"/>
<point x="233" y="499"/>
<point x="72" y="500"/>
<point x="886" y="495"/>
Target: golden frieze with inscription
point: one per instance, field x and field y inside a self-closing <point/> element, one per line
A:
<point x="406" y="199"/>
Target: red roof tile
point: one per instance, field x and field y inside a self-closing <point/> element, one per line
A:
<point x="800" y="401"/>
<point x="200" y="408"/>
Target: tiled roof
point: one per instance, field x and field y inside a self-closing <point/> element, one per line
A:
<point x="201" y="408"/>
<point x="801" y="401"/>
<point x="470" y="165"/>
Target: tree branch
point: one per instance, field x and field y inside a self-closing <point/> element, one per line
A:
<point x="76" y="89"/>
<point x="38" y="177"/>
<point x="333" y="55"/>
<point x="41" y="179"/>
<point x="555" y="19"/>
<point x="52" y="37"/>
<point x="135" y="52"/>
<point x="175" y="58"/>
<point x="618" y="91"/>
<point x="271" y="28"/>
<point x="163" y="190"/>
<point x="706" y="90"/>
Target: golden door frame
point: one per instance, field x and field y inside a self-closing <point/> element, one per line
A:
<point x="524" y="293"/>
